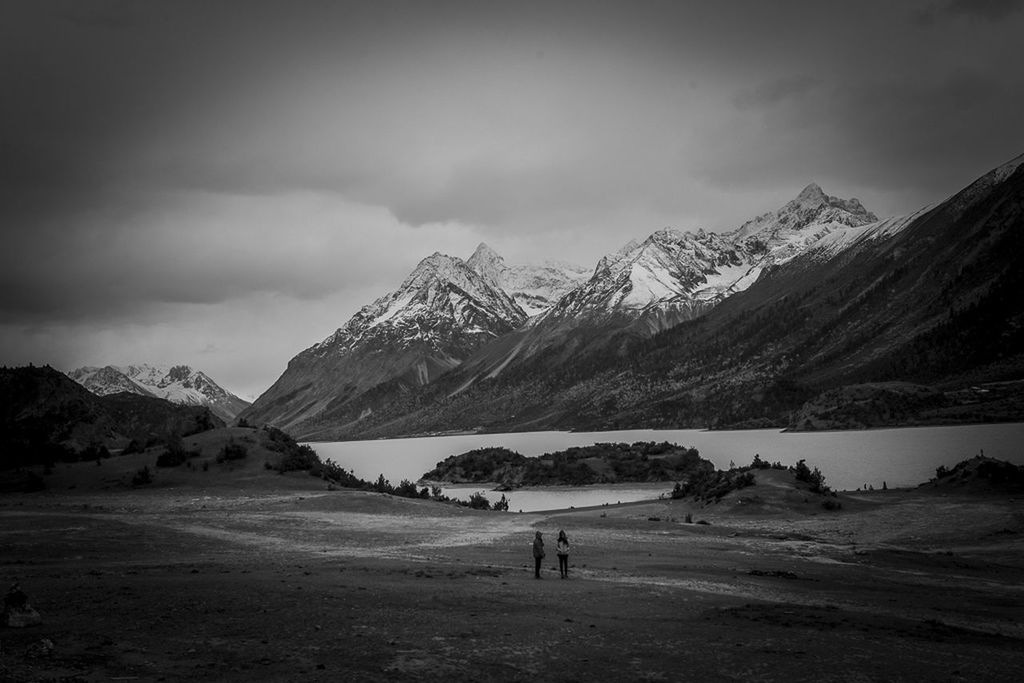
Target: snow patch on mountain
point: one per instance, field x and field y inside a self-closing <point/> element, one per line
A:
<point x="533" y="288"/>
<point x="845" y="238"/>
<point x="663" y="271"/>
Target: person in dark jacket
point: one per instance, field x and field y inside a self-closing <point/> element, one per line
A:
<point x="562" y="549"/>
<point x="538" y="553"/>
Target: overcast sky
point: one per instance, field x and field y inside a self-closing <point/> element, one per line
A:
<point x="223" y="184"/>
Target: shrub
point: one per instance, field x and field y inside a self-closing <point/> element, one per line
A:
<point x="174" y="457"/>
<point x="758" y="464"/>
<point x="407" y="489"/>
<point x="232" y="451"/>
<point x="501" y="505"/>
<point x="134" y="446"/>
<point x="478" y="501"/>
<point x="813" y="477"/>
<point x="382" y="485"/>
<point x="713" y="485"/>
<point x="94" y="451"/>
<point x="142" y="477"/>
<point x="830" y="504"/>
<point x="297" y="458"/>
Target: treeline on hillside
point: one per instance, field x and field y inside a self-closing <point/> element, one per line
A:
<point x="46" y="417"/>
<point x="711" y="486"/>
<point x="602" y="463"/>
<point x="296" y="457"/>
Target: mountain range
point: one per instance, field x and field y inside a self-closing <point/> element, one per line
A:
<point x="178" y="384"/>
<point x="740" y="328"/>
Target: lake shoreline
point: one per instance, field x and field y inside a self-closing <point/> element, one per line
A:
<point x="892" y="457"/>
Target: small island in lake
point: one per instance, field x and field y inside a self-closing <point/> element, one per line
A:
<point x="602" y="463"/>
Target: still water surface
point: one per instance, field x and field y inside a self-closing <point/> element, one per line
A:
<point x="899" y="457"/>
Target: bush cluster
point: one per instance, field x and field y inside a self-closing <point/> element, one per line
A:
<point x="232" y="451"/>
<point x="175" y="453"/>
<point x="813" y="477"/>
<point x="142" y="477"/>
<point x="713" y="485"/>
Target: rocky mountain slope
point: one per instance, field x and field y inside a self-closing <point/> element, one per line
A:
<point x="928" y="298"/>
<point x="443" y="312"/>
<point x="178" y="384"/>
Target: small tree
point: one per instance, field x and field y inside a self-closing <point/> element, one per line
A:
<point x="478" y="501"/>
<point x="142" y="477"/>
<point x="382" y="485"/>
<point x="232" y="451"/>
<point x="813" y="477"/>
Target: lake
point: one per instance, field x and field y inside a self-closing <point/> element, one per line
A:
<point x="905" y="456"/>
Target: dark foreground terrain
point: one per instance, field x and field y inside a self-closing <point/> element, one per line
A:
<point x="274" y="578"/>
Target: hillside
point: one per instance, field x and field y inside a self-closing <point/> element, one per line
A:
<point x="45" y="416"/>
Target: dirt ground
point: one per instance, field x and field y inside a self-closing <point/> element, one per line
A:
<point x="287" y="581"/>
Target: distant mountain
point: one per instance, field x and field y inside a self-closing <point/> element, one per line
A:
<point x="931" y="298"/>
<point x="44" y="416"/>
<point x="443" y="312"/>
<point x="178" y="384"/>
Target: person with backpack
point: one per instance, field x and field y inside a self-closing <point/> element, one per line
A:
<point x="538" y="553"/>
<point x="562" y="550"/>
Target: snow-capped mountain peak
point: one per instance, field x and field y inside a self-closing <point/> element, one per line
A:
<point x="784" y="233"/>
<point x="533" y="288"/>
<point x="676" y="275"/>
<point x="177" y="384"/>
<point x="812" y="195"/>
<point x="670" y="275"/>
<point x="443" y="296"/>
<point x="488" y="263"/>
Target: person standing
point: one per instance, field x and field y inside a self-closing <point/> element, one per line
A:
<point x="538" y="553"/>
<point x="562" y="549"/>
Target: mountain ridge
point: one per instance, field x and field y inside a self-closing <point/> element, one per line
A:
<point x="702" y="329"/>
<point x="178" y="383"/>
<point x="442" y="312"/>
